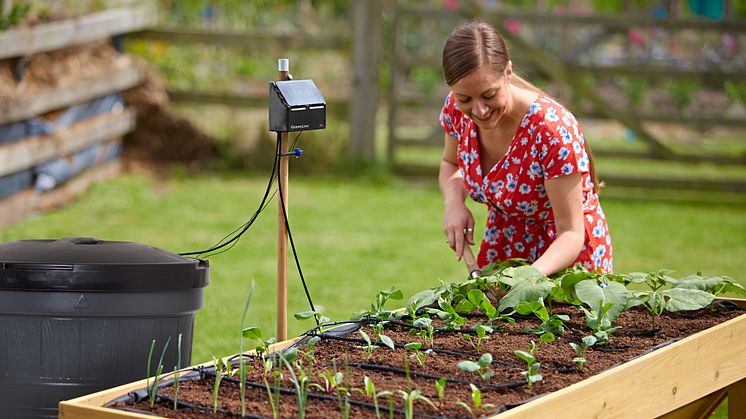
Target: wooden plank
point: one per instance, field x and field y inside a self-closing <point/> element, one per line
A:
<point x="123" y="75"/>
<point x="737" y="399"/>
<point x="613" y="22"/>
<point x="66" y="192"/>
<point x="25" y="203"/>
<point x="246" y="40"/>
<point x="674" y="183"/>
<point x="29" y="152"/>
<point x="698" y="409"/>
<point x="691" y="158"/>
<point x="65" y="33"/>
<point x="653" y="384"/>
<point x="366" y="21"/>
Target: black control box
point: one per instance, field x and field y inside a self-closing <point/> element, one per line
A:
<point x="296" y="105"/>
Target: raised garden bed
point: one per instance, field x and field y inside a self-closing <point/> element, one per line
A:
<point x="641" y="372"/>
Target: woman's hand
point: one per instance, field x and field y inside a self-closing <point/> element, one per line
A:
<point x="458" y="226"/>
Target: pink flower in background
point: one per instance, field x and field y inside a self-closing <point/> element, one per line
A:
<point x="512" y="25"/>
<point x="635" y="37"/>
<point x="450" y="4"/>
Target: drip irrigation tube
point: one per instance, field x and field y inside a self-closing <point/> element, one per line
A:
<point x="436" y="350"/>
<point x="386" y="368"/>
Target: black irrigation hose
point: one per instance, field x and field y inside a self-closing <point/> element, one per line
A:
<point x="386" y="368"/>
<point x="400" y="346"/>
<point x="201" y="407"/>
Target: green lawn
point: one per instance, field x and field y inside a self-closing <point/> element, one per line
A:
<point x="356" y="236"/>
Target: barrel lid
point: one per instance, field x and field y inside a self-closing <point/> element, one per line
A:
<point x="88" y="264"/>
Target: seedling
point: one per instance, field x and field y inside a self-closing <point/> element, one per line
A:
<point x="305" y="315"/>
<point x="222" y="369"/>
<point x="580" y="350"/>
<point x="426" y="329"/>
<point x="274" y="400"/>
<point x="553" y="324"/>
<point x="377" y="309"/>
<point x="300" y="381"/>
<point x="332" y="382"/>
<point x="419" y="355"/>
<point x="481" y="331"/>
<point x="177" y="368"/>
<point x="371" y="395"/>
<point x="605" y="302"/>
<point x="153" y="388"/>
<point x="410" y="398"/>
<point x="440" y="389"/>
<point x="475" y="410"/>
<point x="480" y="367"/>
<point x="369" y="347"/>
<point x="251" y="333"/>
<point x="532" y="367"/>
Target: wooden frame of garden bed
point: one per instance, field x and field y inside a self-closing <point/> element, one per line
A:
<point x="686" y="379"/>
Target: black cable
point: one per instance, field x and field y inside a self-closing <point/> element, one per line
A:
<point x="290" y="235"/>
<point x="222" y="243"/>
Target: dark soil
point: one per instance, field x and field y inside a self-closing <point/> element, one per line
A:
<point x="388" y="368"/>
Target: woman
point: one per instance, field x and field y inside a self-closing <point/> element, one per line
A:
<point x="510" y="146"/>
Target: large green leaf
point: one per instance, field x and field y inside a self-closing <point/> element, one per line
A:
<point x="719" y="284"/>
<point x="681" y="299"/>
<point x="596" y="296"/>
<point x="530" y="289"/>
<point x="513" y="276"/>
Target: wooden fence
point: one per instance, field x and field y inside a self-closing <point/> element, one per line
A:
<point x="564" y="69"/>
<point x="49" y="166"/>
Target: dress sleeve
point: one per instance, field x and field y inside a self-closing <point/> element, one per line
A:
<point x="562" y="143"/>
<point x="451" y="118"/>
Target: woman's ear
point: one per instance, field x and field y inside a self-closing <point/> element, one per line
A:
<point x="509" y="70"/>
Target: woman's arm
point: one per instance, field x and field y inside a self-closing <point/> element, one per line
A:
<point x="566" y="195"/>
<point x="457" y="218"/>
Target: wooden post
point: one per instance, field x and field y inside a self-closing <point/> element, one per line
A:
<point x="282" y="233"/>
<point x="366" y="24"/>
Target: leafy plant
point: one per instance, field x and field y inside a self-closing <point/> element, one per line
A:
<point x="371" y="395"/>
<point x="377" y="308"/>
<point x="715" y="285"/>
<point x="305" y="315"/>
<point x="419" y="355"/>
<point x="656" y="299"/>
<point x="476" y="407"/>
<point x="480" y="367"/>
<point x="332" y="382"/>
<point x="532" y="367"/>
<point x="369" y="346"/>
<point x="605" y="302"/>
<point x="526" y="284"/>
<point x="580" y="349"/>
<point x="153" y="388"/>
<point x="425" y="329"/>
<point x="481" y="331"/>
<point x="410" y="398"/>
<point x="553" y="325"/>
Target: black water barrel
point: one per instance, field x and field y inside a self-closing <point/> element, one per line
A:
<point x="78" y="315"/>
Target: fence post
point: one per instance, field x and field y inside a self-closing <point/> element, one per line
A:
<point x="366" y="26"/>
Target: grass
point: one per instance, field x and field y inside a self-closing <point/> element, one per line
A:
<point x="356" y="236"/>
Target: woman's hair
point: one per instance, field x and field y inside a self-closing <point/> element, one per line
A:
<point x="478" y="43"/>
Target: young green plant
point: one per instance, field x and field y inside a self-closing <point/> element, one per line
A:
<point x="371" y="395"/>
<point x="580" y="350"/>
<point x="153" y="388"/>
<point x="481" y="367"/>
<point x="476" y="408"/>
<point x="532" y="367"/>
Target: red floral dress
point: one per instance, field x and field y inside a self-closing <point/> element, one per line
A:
<point x="520" y="222"/>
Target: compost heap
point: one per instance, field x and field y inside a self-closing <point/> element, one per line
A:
<point x="160" y="136"/>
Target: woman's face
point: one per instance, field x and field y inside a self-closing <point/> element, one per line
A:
<point x="483" y="95"/>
